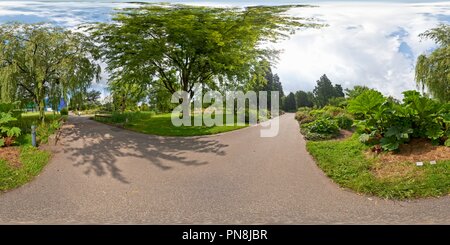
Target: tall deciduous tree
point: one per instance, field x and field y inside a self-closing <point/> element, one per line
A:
<point x="45" y="61"/>
<point x="433" y="70"/>
<point x="180" y="45"/>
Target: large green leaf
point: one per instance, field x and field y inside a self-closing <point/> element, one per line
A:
<point x="6" y="118"/>
<point x="13" y="132"/>
<point x="389" y="143"/>
<point x="447" y="143"/>
<point x="434" y="132"/>
<point x="399" y="132"/>
<point x="366" y="103"/>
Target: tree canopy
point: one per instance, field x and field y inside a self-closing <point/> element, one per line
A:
<point x="356" y="91"/>
<point x="38" y="61"/>
<point x="325" y="90"/>
<point x="289" y="103"/>
<point x="433" y="70"/>
<point x="304" y="99"/>
<point x="177" y="46"/>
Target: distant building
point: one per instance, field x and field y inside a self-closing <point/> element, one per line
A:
<point x="48" y="106"/>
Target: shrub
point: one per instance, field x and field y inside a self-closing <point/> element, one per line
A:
<point x="8" y="107"/>
<point x="7" y="134"/>
<point x="344" y="121"/>
<point x="391" y="123"/>
<point x="304" y="117"/>
<point x="333" y="110"/>
<point x="326" y="126"/>
<point x="315" y="136"/>
<point x="320" y="113"/>
<point x="64" y="111"/>
<point x="304" y="109"/>
<point x="323" y="123"/>
<point x="121" y="118"/>
<point x="44" y="131"/>
<point x="338" y="101"/>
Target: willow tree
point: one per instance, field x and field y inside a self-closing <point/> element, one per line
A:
<point x="180" y="45"/>
<point x="46" y="62"/>
<point x="433" y="70"/>
<point x="127" y="91"/>
<point x="8" y="88"/>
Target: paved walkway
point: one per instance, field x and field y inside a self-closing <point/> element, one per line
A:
<point x="106" y="175"/>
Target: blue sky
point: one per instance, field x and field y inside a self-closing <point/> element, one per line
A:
<point x="366" y="42"/>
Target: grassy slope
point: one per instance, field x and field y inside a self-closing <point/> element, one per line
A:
<point x="33" y="161"/>
<point x="162" y="125"/>
<point x="345" y="163"/>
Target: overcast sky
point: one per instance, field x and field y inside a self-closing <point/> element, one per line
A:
<point x="366" y="42"/>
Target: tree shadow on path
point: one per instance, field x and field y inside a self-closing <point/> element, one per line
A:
<point x="98" y="148"/>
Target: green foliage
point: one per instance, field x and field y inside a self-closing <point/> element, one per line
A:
<point x="333" y="111"/>
<point x="338" y="102"/>
<point x="324" y="91"/>
<point x="345" y="162"/>
<point x="320" y="129"/>
<point x="7" y="133"/>
<point x="6" y="118"/>
<point x="344" y="121"/>
<point x="323" y="126"/>
<point x="43" y="131"/>
<point x="304" y="99"/>
<point x="356" y="91"/>
<point x="304" y="117"/>
<point x="64" y="111"/>
<point x="267" y="81"/>
<point x="46" y="62"/>
<point x="289" y="103"/>
<point x="10" y="131"/>
<point x="9" y="107"/>
<point x="433" y="70"/>
<point x="177" y="46"/>
<point x="122" y="118"/>
<point x="390" y="123"/>
<point x="366" y="104"/>
<point x="447" y="142"/>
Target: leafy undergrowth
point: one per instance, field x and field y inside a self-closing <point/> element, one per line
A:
<point x="31" y="163"/>
<point x="347" y="164"/>
<point x="327" y="123"/>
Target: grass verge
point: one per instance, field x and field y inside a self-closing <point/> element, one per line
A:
<point x="162" y="125"/>
<point x="32" y="161"/>
<point x="347" y="164"/>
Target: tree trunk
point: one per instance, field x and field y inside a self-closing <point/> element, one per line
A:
<point x="41" y="99"/>
<point x="123" y="103"/>
<point x="42" y="111"/>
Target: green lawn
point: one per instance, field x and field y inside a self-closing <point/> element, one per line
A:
<point x="162" y="125"/>
<point x="345" y="162"/>
<point x="32" y="162"/>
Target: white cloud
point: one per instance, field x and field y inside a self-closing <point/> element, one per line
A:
<point x="361" y="45"/>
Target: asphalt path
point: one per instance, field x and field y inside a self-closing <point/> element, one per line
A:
<point x="102" y="174"/>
